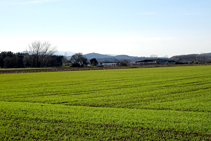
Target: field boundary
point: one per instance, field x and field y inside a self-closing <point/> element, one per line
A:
<point x="32" y="70"/>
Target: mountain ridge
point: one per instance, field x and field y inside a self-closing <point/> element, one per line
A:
<point x="99" y="56"/>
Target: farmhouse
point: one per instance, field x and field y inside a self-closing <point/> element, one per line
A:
<point x="154" y="61"/>
<point x="109" y="64"/>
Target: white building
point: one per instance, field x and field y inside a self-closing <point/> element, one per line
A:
<point x="109" y="64"/>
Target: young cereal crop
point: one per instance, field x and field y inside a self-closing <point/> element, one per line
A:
<point x="171" y="103"/>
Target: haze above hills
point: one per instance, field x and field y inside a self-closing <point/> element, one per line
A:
<point x="99" y="56"/>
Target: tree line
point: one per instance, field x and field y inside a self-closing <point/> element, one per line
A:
<point x="38" y="54"/>
<point x="202" y="58"/>
<point x="25" y="60"/>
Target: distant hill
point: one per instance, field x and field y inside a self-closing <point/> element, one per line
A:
<point x="125" y="57"/>
<point x="97" y="56"/>
<point x="103" y="57"/>
<point x="207" y="53"/>
<point x="205" y="57"/>
<point x="64" y="53"/>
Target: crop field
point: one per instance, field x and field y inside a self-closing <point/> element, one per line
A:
<point x="165" y="103"/>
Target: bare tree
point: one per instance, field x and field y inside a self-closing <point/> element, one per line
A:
<point x="153" y="56"/>
<point x="64" y="60"/>
<point x="78" y="60"/>
<point x="93" y="62"/>
<point x="124" y="62"/>
<point x="42" y="51"/>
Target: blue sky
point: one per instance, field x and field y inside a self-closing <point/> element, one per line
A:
<point x="133" y="27"/>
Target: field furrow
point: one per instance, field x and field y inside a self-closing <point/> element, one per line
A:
<point x="171" y="103"/>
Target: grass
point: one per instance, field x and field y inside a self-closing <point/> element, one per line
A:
<point x="171" y="103"/>
<point x="33" y="68"/>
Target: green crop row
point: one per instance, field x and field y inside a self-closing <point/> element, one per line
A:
<point x="47" y="121"/>
<point x="124" y="104"/>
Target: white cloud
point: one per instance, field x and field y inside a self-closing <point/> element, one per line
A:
<point x="24" y="2"/>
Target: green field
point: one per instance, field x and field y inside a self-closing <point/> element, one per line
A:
<point x="166" y="103"/>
